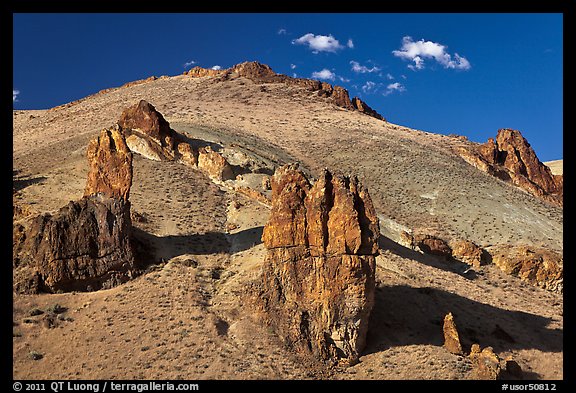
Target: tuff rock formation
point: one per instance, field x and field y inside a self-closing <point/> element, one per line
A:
<point x="429" y="244"/>
<point x="536" y="266"/>
<point x="110" y="163"/>
<point x="261" y="73"/>
<point x="318" y="277"/>
<point x="85" y="245"/>
<point x="467" y="252"/>
<point x="485" y="363"/>
<point x="214" y="164"/>
<point x="451" y="336"/>
<point x="511" y="158"/>
<point x="147" y="132"/>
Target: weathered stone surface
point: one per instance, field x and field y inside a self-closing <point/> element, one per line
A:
<point x="511" y="158"/>
<point x="144" y="120"/>
<point x="145" y="148"/>
<point x="537" y="266"/>
<point x="187" y="154"/>
<point x="485" y="363"/>
<point x="85" y="245"/>
<point x="110" y="163"/>
<point x="467" y="252"/>
<point x="429" y="244"/>
<point x="451" y="336"/>
<point x="318" y="277"/>
<point x="214" y="164"/>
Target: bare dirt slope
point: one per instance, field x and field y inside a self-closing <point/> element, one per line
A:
<point x="556" y="166"/>
<point x="187" y="318"/>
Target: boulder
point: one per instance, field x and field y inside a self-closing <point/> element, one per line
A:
<point x="537" y="266"/>
<point x="187" y="154"/>
<point x="485" y="363"/>
<point x="145" y="120"/>
<point x="433" y="245"/>
<point x="363" y="107"/>
<point x="318" y="277"/>
<point x="467" y="252"/>
<point x="110" y="163"/>
<point x="214" y="164"/>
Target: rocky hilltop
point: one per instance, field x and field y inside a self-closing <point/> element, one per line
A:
<point x="261" y="73"/>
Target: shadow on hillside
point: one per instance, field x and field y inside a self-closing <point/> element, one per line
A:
<point x="155" y="248"/>
<point x="19" y="184"/>
<point x="198" y="143"/>
<point x="447" y="264"/>
<point x="403" y="315"/>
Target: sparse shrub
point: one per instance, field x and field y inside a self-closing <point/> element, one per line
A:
<point x="56" y="309"/>
<point x="34" y="355"/>
<point x="35" y="311"/>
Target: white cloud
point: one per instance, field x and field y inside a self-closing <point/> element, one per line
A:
<point x="216" y="67"/>
<point x="189" y="63"/>
<point x="357" y="67"/>
<point x="403" y="76"/>
<point x="325" y="74"/>
<point x="282" y="31"/>
<point x="15" y="95"/>
<point x="389" y="76"/>
<point x="292" y="66"/>
<point x="294" y="75"/>
<point x="417" y="51"/>
<point x="342" y="79"/>
<point x="319" y="43"/>
<point x="392" y="87"/>
<point x="369" y="87"/>
<point x="350" y="43"/>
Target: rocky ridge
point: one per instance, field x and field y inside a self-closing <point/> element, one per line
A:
<point x="262" y="73"/>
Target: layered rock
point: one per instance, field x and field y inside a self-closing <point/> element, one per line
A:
<point x="85" y="245"/>
<point x="451" y="336"/>
<point x="536" y="266"/>
<point x="261" y="73"/>
<point x="318" y="277"/>
<point x="511" y="158"/>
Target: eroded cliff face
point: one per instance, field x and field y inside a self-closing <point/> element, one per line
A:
<point x="318" y="278"/>
<point x="85" y="245"/>
<point x="261" y="73"/>
<point x="511" y="158"/>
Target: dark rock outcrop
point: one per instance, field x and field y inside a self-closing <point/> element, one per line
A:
<point x="85" y="245"/>
<point x="363" y="107"/>
<point x="511" y="158"/>
<point x="536" y="266"/>
<point x="433" y="245"/>
<point x="318" y="277"/>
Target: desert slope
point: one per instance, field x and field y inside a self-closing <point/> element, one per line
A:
<point x="186" y="317"/>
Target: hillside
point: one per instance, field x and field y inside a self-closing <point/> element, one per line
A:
<point x="185" y="318"/>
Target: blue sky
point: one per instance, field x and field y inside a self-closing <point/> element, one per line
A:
<point x="468" y="74"/>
